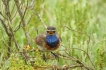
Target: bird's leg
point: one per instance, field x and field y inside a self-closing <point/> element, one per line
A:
<point x="44" y="57"/>
<point x="56" y="56"/>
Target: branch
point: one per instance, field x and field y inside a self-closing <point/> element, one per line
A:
<point x="25" y="10"/>
<point x="54" y="67"/>
<point x="76" y="60"/>
<point x="23" y="17"/>
<point x="2" y="15"/>
<point x="5" y="27"/>
<point x="6" y="3"/>
<point x="13" y="8"/>
<point x="86" y="54"/>
<point x="17" y="28"/>
<point x="29" y="19"/>
<point x="88" y="41"/>
<point x="14" y="15"/>
<point x="40" y="19"/>
<point x="23" y="21"/>
<point x="4" y="41"/>
<point x="64" y="67"/>
<point x="32" y="4"/>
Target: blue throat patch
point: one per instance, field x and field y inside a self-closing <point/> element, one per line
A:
<point x="52" y="41"/>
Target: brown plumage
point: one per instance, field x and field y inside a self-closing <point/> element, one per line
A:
<point x="42" y="39"/>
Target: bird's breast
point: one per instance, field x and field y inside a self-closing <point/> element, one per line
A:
<point x="52" y="42"/>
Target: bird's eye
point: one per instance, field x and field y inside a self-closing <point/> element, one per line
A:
<point x="53" y="31"/>
<point x="47" y="31"/>
<point x="50" y="32"/>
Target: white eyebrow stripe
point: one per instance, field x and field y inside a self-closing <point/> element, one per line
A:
<point x="51" y="30"/>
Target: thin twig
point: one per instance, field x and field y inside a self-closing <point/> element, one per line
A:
<point x="18" y="27"/>
<point x="54" y="67"/>
<point x="86" y="54"/>
<point x="5" y="27"/>
<point x="69" y="67"/>
<point x="4" y="41"/>
<point x="76" y="60"/>
<point x="40" y="19"/>
<point x="88" y="41"/>
<point x="2" y="15"/>
<point x="13" y="8"/>
<point x="23" y="21"/>
<point x="14" y="15"/>
<point x="32" y="4"/>
<point x="29" y="19"/>
<point x="7" y="11"/>
<point x="37" y="31"/>
<point x="25" y="10"/>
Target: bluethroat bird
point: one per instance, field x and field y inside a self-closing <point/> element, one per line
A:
<point x="48" y="41"/>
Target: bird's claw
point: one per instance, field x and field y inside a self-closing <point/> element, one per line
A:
<point x="56" y="56"/>
<point x="44" y="57"/>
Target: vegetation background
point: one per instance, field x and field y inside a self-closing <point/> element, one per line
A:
<point x="81" y="24"/>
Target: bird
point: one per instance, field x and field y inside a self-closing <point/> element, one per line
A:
<point x="48" y="41"/>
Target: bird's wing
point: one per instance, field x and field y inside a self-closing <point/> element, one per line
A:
<point x="39" y="40"/>
<point x="59" y="37"/>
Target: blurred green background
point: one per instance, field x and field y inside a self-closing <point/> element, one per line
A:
<point x="81" y="24"/>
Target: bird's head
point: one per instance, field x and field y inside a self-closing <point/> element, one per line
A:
<point x="51" y="30"/>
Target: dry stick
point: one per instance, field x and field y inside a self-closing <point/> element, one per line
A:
<point x="8" y="15"/>
<point x="80" y="64"/>
<point x="88" y="41"/>
<point x="71" y="66"/>
<point x="2" y="15"/>
<point x="86" y="54"/>
<point x="25" y="10"/>
<point x="4" y="41"/>
<point x="37" y="31"/>
<point x="13" y="8"/>
<point x="32" y="4"/>
<point x="22" y="15"/>
<point x="23" y="21"/>
<point x="27" y="7"/>
<point x="14" y="15"/>
<point x="18" y="27"/>
<point x="76" y="60"/>
<point x="13" y="11"/>
<point x="79" y="32"/>
<point x="6" y="3"/>
<point x="80" y="50"/>
<point x="9" y="35"/>
<point x="32" y="7"/>
<point x="29" y="19"/>
<point x="40" y="19"/>
<point x="5" y="27"/>
<point x="58" y="68"/>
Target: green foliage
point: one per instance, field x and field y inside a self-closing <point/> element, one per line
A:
<point x="75" y="20"/>
<point x="18" y="64"/>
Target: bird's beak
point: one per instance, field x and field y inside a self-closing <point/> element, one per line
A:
<point x="50" y="32"/>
